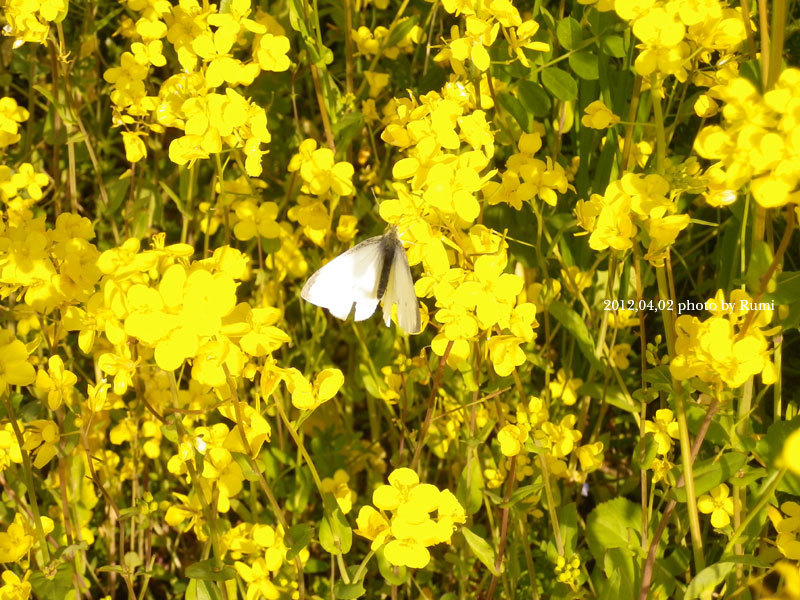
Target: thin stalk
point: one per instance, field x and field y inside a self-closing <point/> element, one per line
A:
<point x="512" y="478"/>
<point x="431" y="404"/>
<point x="764" y="497"/>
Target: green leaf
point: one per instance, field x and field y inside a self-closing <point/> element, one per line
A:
<point x="659" y="378"/>
<point x="621" y="573"/>
<point x="585" y="65"/>
<point x="569" y="33"/>
<point x="613" y="524"/>
<point x="481" y="549"/>
<point x="710" y="473"/>
<point x="534" y="98"/>
<point x="335" y="534"/>
<point x="245" y="465"/>
<point x="515" y="108"/>
<point x="568" y="525"/>
<point x="401" y="30"/>
<point x="770" y="447"/>
<point x="55" y="587"/>
<point x="560" y="84"/>
<point x="348" y="591"/>
<point x="132" y="560"/>
<point x="169" y="433"/>
<point x="176" y="199"/>
<point x="301" y="535"/>
<point x="707" y="579"/>
<point x="614" y="45"/>
<point x="388" y="571"/>
<point x="760" y="259"/>
<point x="576" y="326"/>
<point x="787" y="289"/>
<point x="612" y="395"/>
<point x="470" y="487"/>
<point x="202" y="590"/>
<point x="212" y="569"/>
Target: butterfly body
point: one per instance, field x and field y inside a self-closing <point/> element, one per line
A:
<point x="355" y="282"/>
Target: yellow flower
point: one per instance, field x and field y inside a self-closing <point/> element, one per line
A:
<point x="718" y="504"/>
<point x="599" y="116"/>
<point x="13" y="587"/>
<point x="135" y="150"/>
<point x="58" y="382"/>
<point x="16" y="541"/>
<point x="14" y="366"/>
<point x="337" y="485"/>
<point x="505" y="353"/>
<point x="41" y="439"/>
<point x="664" y="428"/>
<point x="565" y="387"/>
<point x="791" y="452"/>
<point x="511" y="438"/>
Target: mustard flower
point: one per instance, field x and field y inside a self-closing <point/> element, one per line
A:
<point x="664" y="429"/>
<point x="258" y="579"/>
<point x="9" y="447"/>
<point x="15" y="541"/>
<point x="560" y="438"/>
<point x="788" y="528"/>
<point x="337" y="485"/>
<point x="713" y="351"/>
<point x="321" y="173"/>
<point x="135" y="149"/>
<point x="13" y="587"/>
<point x="480" y="34"/>
<point x="57" y="382"/>
<point x="306" y="396"/>
<point x="568" y="571"/>
<point x="599" y="116"/>
<point x="661" y="468"/>
<point x="219" y="467"/>
<point x="565" y="387"/>
<point x="718" y="504"/>
<point x="511" y="438"/>
<point x="505" y="353"/>
<point x="590" y="456"/>
<point x="14" y="366"/>
<point x="11" y="115"/>
<point x="791" y="452"/>
<point x="41" y="439"/>
<point x="411" y="528"/>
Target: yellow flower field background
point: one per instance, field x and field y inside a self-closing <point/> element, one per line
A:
<point x="598" y="201"/>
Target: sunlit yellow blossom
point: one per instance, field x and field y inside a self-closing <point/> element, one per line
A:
<point x="719" y="504"/>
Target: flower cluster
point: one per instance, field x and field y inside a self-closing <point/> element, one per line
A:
<point x="30" y="20"/>
<point x="756" y="144"/>
<point x="674" y="34"/>
<point x="719" y="350"/>
<point x="217" y="52"/>
<point x="629" y="204"/>
<point x="484" y="20"/>
<point x="408" y="530"/>
<point x="448" y="144"/>
<point x="527" y="178"/>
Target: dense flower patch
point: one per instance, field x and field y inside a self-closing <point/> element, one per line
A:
<point x="598" y="202"/>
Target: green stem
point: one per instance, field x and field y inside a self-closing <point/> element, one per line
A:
<point x="691" y="497"/>
<point x="27" y="468"/>
<point x="767" y="490"/>
<point x="658" y="116"/>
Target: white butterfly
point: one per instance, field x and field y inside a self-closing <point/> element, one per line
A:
<point x="372" y="271"/>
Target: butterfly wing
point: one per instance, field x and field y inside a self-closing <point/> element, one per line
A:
<point x="400" y="291"/>
<point x="348" y="281"/>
